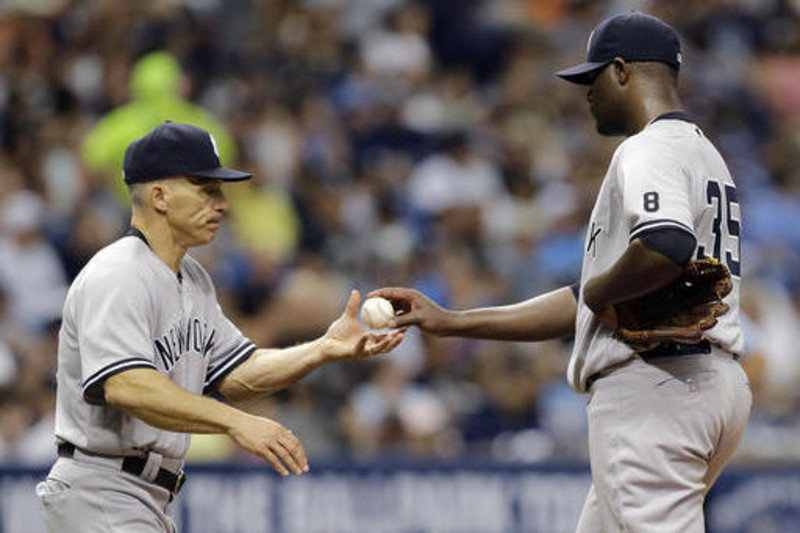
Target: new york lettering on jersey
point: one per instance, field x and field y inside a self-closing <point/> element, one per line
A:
<point x="190" y="335"/>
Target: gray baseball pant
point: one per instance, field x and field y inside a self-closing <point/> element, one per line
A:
<point x="80" y="496"/>
<point x="660" y="434"/>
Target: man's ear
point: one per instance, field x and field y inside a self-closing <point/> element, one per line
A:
<point x="159" y="196"/>
<point x="622" y="70"/>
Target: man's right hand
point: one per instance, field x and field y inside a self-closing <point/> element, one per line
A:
<point x="415" y="309"/>
<point x="151" y="396"/>
<point x="271" y="441"/>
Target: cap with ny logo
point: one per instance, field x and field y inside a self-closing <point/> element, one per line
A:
<point x="174" y="149"/>
<point x="632" y="36"/>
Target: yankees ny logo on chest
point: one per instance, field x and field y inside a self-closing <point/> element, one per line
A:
<point x="191" y="335"/>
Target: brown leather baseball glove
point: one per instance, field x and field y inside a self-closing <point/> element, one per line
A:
<point x="680" y="312"/>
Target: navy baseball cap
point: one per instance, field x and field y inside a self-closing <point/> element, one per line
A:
<point x="173" y="149"/>
<point x="632" y="36"/>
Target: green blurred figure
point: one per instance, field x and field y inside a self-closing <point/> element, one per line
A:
<point x="155" y="96"/>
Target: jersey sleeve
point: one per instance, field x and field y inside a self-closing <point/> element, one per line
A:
<point x="114" y="331"/>
<point x="656" y="194"/>
<point x="229" y="349"/>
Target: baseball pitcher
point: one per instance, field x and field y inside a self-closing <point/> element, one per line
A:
<point x="656" y="313"/>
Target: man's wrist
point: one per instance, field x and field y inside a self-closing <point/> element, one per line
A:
<point x="455" y="323"/>
<point x="321" y="351"/>
<point x="233" y="420"/>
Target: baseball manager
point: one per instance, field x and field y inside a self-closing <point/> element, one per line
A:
<point x="145" y="351"/>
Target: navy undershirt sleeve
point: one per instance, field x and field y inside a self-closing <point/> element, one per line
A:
<point x="576" y="289"/>
<point x="675" y="243"/>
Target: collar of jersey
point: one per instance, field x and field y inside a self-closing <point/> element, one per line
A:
<point x="674" y="115"/>
<point x="136" y="232"/>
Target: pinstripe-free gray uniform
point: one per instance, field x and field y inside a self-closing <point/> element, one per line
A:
<point x="125" y="310"/>
<point x="660" y="430"/>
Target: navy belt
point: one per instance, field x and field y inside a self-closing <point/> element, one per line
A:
<point x="672" y="349"/>
<point x="135" y="465"/>
<point x="665" y="349"/>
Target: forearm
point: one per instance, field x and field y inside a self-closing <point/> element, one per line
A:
<point x="270" y="370"/>
<point x="638" y="272"/>
<point x="153" y="398"/>
<point x="547" y="316"/>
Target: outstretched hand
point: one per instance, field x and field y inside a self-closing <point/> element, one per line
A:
<point x="347" y="339"/>
<point x="414" y="309"/>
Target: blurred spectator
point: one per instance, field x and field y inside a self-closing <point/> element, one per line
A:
<point x="451" y="188"/>
<point x="509" y="387"/>
<point x="274" y="145"/>
<point x="773" y="335"/>
<point x="31" y="273"/>
<point x="155" y="88"/>
<point x="8" y="365"/>
<point x="36" y="382"/>
<point x="15" y="419"/>
<point x="390" y="415"/>
<point x="340" y="108"/>
<point x="398" y="52"/>
<point x="267" y="227"/>
<point x="450" y="102"/>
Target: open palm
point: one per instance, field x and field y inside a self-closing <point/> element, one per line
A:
<point x="346" y="338"/>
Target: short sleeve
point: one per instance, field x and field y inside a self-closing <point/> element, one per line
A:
<point x="229" y="348"/>
<point x="656" y="193"/>
<point x="113" y="331"/>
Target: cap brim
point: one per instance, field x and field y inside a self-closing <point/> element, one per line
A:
<point x="221" y="173"/>
<point x="582" y="74"/>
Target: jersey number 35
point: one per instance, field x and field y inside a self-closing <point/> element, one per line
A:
<point x="726" y="226"/>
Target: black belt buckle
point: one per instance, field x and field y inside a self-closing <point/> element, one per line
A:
<point x="166" y="479"/>
<point x="179" y="481"/>
<point x="65" y="449"/>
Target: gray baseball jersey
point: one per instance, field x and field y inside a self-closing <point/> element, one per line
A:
<point x="125" y="310"/>
<point x="669" y="175"/>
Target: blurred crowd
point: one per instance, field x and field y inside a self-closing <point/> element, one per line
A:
<point x="393" y="142"/>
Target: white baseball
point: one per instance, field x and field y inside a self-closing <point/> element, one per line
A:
<point x="376" y="312"/>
